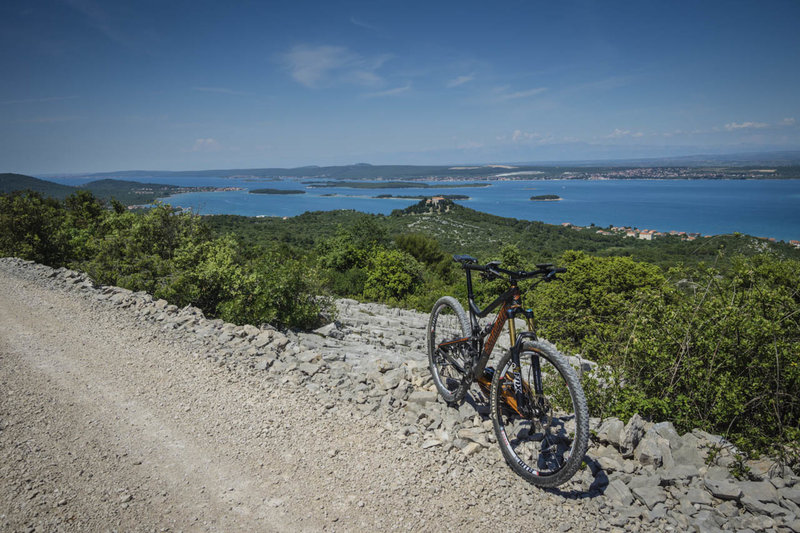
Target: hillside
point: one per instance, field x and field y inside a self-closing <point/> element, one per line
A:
<point x="19" y="182"/>
<point x="126" y="192"/>
<point x="463" y="230"/>
<point x="131" y="192"/>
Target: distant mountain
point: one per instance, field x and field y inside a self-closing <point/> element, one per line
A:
<point x="130" y="192"/>
<point x="353" y="172"/>
<point x="19" y="182"/>
<point x="127" y="192"/>
<point x="551" y="168"/>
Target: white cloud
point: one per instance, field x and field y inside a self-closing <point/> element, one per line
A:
<point x="390" y="92"/>
<point x="519" y="136"/>
<point x="316" y="66"/>
<point x="205" y="145"/>
<point x="461" y="80"/>
<point x="787" y="121"/>
<point x="361" y="24"/>
<point x="733" y="126"/>
<point x="503" y="94"/>
<point x="530" y="137"/>
<point x="619" y="134"/>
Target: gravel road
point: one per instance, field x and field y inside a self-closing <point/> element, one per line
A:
<point x="108" y="422"/>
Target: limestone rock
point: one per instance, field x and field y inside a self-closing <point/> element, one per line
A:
<point x="650" y="496"/>
<point x="611" y="431"/>
<point x="634" y="431"/>
<point x="619" y="492"/>
<point x="650" y="450"/>
<point x="723" y="489"/>
<point x="422" y="397"/>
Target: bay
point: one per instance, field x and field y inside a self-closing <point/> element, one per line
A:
<point x="765" y="208"/>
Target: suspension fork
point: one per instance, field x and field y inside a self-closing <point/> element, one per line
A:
<point x="516" y="349"/>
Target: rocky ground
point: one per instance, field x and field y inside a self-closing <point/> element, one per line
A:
<point x="120" y="412"/>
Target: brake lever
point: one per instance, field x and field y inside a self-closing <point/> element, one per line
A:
<point x="490" y="275"/>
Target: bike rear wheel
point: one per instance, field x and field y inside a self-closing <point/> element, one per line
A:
<point x="544" y="436"/>
<point x="448" y="349"/>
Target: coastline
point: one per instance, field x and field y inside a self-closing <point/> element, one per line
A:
<point x="699" y="206"/>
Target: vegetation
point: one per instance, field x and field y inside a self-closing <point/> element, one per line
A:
<point x="167" y="253"/>
<point x="19" y="182"/>
<point x="703" y="333"/>
<point x="545" y="197"/>
<point x="125" y="192"/>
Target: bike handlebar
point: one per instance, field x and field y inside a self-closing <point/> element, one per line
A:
<point x="492" y="269"/>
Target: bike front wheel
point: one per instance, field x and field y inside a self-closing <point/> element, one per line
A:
<point x="448" y="348"/>
<point x="539" y="414"/>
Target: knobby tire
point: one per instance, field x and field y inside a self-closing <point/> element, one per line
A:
<point x="449" y="322"/>
<point x="547" y="445"/>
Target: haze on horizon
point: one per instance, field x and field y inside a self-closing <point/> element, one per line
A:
<point x="98" y="86"/>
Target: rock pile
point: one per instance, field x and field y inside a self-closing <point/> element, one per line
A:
<point x="372" y="360"/>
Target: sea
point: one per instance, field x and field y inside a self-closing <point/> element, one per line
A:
<point x="763" y="208"/>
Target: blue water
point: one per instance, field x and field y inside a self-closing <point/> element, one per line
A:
<point x="766" y="208"/>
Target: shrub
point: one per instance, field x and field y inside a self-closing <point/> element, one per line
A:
<point x="281" y="291"/>
<point x="30" y="228"/>
<point x="391" y="275"/>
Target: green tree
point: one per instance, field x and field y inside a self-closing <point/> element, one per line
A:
<point x="392" y="275"/>
<point x="83" y="225"/>
<point x="30" y="228"/>
<point x="279" y="290"/>
<point x="589" y="308"/>
<point x="206" y="274"/>
<point x="423" y="248"/>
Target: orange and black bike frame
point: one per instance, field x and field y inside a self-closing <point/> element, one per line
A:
<point x="510" y="303"/>
<point x="511" y="307"/>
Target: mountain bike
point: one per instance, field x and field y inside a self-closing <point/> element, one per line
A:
<point x="537" y="405"/>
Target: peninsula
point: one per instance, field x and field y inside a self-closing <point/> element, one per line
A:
<point x="276" y="191"/>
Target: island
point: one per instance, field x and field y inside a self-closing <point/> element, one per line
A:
<point x="545" y="198"/>
<point x="276" y="191"/>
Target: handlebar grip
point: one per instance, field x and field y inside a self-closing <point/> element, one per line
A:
<point x="559" y="270"/>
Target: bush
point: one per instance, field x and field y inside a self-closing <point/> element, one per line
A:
<point x="591" y="307"/>
<point x="30" y="228"/>
<point x="391" y="275"/>
<point x="136" y="251"/>
<point x="349" y="283"/>
<point x="206" y="275"/>
<point x="281" y="291"/>
<point x="697" y="348"/>
<point x="423" y="248"/>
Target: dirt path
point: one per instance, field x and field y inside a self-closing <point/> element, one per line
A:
<point x="107" y="423"/>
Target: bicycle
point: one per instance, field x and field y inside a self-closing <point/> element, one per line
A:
<point x="537" y="404"/>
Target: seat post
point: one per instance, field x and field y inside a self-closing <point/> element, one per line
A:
<point x="470" y="295"/>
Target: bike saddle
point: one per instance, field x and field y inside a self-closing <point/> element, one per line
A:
<point x="464" y="259"/>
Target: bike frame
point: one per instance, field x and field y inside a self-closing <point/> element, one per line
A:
<point x="511" y="302"/>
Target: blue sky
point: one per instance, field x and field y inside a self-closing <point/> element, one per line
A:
<point x="93" y="86"/>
